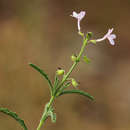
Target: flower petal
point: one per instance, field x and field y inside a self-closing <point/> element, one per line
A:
<point x="112" y="42"/>
<point x="113" y="36"/>
<point x="110" y="31"/>
<point x="81" y="15"/>
<point x="109" y="36"/>
<point x="75" y="15"/>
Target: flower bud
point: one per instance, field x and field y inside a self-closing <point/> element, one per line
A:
<point x="73" y="57"/>
<point x="93" y="41"/>
<point x="60" y="71"/>
<point x="74" y="83"/>
<point x="81" y="34"/>
<point x="89" y="35"/>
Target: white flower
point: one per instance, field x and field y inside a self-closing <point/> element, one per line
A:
<point x="79" y="17"/>
<point x="108" y="36"/>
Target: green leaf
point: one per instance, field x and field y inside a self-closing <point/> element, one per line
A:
<point x="56" y="82"/>
<point x="86" y="59"/>
<point x="50" y="112"/>
<point x="67" y="85"/>
<point x="15" y="116"/>
<point x="42" y="73"/>
<point x="77" y="92"/>
<point x="52" y="115"/>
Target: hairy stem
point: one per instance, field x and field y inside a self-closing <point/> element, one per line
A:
<point x="75" y="63"/>
<point x="44" y="116"/>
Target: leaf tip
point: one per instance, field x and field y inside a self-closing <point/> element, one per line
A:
<point x="92" y="98"/>
<point x="29" y="63"/>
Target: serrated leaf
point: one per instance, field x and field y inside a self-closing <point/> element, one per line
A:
<point x="42" y="73"/>
<point x="77" y="92"/>
<point x="15" y="116"/>
<point x="86" y="59"/>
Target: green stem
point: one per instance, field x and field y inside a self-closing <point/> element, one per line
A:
<point x="44" y="116"/>
<point x="75" y="63"/>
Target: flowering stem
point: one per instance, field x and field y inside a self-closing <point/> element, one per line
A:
<point x="75" y="63"/>
<point x="44" y="116"/>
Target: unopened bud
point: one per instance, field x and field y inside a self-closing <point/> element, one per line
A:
<point x="74" y="83"/>
<point x="81" y="34"/>
<point x="93" y="41"/>
<point x="73" y="57"/>
<point x="89" y="35"/>
<point x="60" y="71"/>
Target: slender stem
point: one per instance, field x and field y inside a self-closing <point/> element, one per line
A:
<point x="44" y="116"/>
<point x="75" y="63"/>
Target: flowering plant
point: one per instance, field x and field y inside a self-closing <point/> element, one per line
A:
<point x="59" y="87"/>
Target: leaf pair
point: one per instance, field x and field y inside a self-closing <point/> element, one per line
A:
<point x="62" y="92"/>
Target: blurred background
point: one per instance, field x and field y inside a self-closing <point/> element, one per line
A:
<point x="42" y="32"/>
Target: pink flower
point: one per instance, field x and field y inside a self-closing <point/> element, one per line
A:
<point x="79" y="17"/>
<point x="108" y="36"/>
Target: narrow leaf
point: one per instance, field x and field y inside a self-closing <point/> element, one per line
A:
<point x="42" y="73"/>
<point x="56" y="82"/>
<point x="67" y="85"/>
<point x="15" y="116"/>
<point x="77" y="92"/>
<point x="86" y="59"/>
